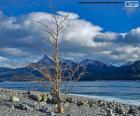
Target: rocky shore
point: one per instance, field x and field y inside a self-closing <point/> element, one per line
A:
<point x="35" y="103"/>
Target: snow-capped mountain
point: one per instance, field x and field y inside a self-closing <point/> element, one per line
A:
<point x="95" y="70"/>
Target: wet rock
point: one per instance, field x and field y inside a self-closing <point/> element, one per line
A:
<point x="14" y="99"/>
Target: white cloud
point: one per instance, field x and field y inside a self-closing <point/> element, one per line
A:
<point x="2" y="59"/>
<point x="69" y="14"/>
<point x="13" y="51"/>
<point x="80" y="39"/>
<point x="81" y="32"/>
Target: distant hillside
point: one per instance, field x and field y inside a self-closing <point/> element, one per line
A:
<point x="95" y="70"/>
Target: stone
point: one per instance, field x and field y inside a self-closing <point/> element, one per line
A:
<point x="14" y="99"/>
<point x="90" y="103"/>
<point x="53" y="100"/>
<point x="109" y="112"/>
<point x="11" y="106"/>
<point x="44" y="97"/>
<point x="69" y="100"/>
<point x="23" y="106"/>
<point x="80" y="103"/>
<point x="139" y="108"/>
<point x="85" y="103"/>
<point x="133" y="110"/>
<point x="45" y="109"/>
<point x="28" y="92"/>
<point x="36" y="97"/>
<point x="50" y="97"/>
<point x="53" y="114"/>
<point x="120" y="110"/>
<point x="66" y="104"/>
<point x="99" y="102"/>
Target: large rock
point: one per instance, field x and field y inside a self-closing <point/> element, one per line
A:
<point x="14" y="99"/>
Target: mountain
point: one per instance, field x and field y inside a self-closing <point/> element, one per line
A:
<point x="95" y="70"/>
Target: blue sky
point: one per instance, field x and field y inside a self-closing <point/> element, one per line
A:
<point x="114" y="27"/>
<point x="110" y="17"/>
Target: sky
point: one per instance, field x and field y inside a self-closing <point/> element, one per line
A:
<point x="104" y="32"/>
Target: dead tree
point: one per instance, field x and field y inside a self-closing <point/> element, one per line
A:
<point x="54" y="73"/>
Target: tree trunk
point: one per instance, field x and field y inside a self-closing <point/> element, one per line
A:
<point x="60" y="106"/>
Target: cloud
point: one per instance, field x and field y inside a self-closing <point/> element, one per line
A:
<point x="12" y="51"/>
<point x="133" y="37"/>
<point x="131" y="10"/>
<point x="81" y="39"/>
<point x="2" y="59"/>
<point x="70" y="15"/>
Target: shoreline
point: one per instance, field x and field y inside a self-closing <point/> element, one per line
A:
<point x="75" y="105"/>
<point x="109" y="99"/>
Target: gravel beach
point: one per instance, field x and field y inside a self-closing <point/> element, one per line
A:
<point x="35" y="103"/>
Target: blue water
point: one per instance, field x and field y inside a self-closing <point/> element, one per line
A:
<point x="122" y="91"/>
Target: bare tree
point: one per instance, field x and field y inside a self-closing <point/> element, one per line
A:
<point x="55" y="72"/>
<point x="60" y="73"/>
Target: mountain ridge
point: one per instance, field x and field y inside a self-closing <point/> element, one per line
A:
<point x="97" y="70"/>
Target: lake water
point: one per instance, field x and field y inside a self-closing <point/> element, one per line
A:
<point x="121" y="91"/>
